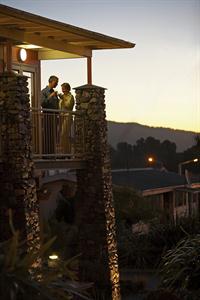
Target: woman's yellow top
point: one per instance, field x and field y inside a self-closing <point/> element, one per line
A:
<point x="66" y="101"/>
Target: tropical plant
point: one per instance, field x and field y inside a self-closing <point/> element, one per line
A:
<point x="180" y="268"/>
<point x="19" y="279"/>
<point x="146" y="250"/>
<point x="66" y="244"/>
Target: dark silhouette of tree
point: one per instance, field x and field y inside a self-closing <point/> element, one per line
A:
<point x="193" y="153"/>
<point x="168" y="155"/>
<point x="197" y="140"/>
<point x="124" y="155"/>
<point x="164" y="153"/>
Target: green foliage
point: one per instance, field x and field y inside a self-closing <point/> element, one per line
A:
<point x="166" y="236"/>
<point x="135" y="250"/>
<point x="131" y="207"/>
<point x="62" y="225"/>
<point x="66" y="244"/>
<point x="180" y="268"/>
<point x="146" y="250"/>
<point x="25" y="273"/>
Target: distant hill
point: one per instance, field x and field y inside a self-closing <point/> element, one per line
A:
<point x="131" y="132"/>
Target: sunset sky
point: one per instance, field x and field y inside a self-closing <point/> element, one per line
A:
<point x="156" y="83"/>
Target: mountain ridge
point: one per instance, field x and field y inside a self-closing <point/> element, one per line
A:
<point x="130" y="132"/>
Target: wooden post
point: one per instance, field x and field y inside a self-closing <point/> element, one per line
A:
<point x="9" y="56"/>
<point x="1" y="58"/>
<point x="89" y="70"/>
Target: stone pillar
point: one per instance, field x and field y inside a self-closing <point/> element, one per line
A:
<point x="95" y="210"/>
<point x="18" y="189"/>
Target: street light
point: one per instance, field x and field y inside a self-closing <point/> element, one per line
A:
<point x="155" y="163"/>
<point x="184" y="163"/>
<point x="150" y="159"/>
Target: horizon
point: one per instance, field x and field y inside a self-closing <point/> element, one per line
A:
<point x="153" y="126"/>
<point x="157" y="82"/>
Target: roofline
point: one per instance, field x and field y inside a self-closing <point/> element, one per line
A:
<point x="13" y="12"/>
<point x="161" y="190"/>
<point x="131" y="169"/>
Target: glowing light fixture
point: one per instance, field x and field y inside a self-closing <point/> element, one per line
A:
<point x="53" y="257"/>
<point x="150" y="159"/>
<point x="186" y="162"/>
<point x="23" y="54"/>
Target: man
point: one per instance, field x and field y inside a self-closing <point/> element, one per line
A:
<point x="49" y="98"/>
<point x="50" y="101"/>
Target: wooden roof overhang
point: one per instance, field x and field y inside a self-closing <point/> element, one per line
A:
<point x="53" y="39"/>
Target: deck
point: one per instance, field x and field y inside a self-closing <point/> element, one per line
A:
<point x="58" y="139"/>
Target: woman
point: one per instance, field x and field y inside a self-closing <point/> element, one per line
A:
<point x="66" y="104"/>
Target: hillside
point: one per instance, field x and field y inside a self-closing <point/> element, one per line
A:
<point x="131" y="132"/>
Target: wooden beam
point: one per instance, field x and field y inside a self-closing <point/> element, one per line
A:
<point x="9" y="57"/>
<point x="24" y="16"/>
<point x="21" y="36"/>
<point x="45" y="164"/>
<point x="1" y="57"/>
<point x="89" y="70"/>
<point x="54" y="54"/>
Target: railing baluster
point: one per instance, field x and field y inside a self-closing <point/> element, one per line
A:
<point x="55" y="133"/>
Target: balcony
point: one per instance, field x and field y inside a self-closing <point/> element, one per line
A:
<point x="57" y="138"/>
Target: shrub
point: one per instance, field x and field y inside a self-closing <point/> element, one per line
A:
<point x="180" y="268"/>
<point x="21" y="280"/>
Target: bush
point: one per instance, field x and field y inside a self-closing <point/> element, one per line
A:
<point x="146" y="251"/>
<point x="131" y="207"/>
<point x="27" y="275"/>
<point x="180" y="268"/>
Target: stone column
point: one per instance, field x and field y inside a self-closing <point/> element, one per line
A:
<point x="18" y="189"/>
<point x="95" y="210"/>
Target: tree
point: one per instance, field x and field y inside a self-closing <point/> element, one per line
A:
<point x="197" y="140"/>
<point x="192" y="153"/>
<point x="168" y="155"/>
<point x="124" y="155"/>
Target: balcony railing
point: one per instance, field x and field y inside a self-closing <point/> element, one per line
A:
<point x="55" y="134"/>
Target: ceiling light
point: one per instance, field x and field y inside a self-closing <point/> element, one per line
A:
<point x="22" y="55"/>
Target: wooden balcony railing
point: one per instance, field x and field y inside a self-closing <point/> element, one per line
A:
<point x="55" y="134"/>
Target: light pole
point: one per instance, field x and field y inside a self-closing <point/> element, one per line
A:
<point x="185" y="163"/>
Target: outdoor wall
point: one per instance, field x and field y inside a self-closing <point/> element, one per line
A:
<point x="32" y="57"/>
<point x="95" y="209"/>
<point x="18" y="189"/>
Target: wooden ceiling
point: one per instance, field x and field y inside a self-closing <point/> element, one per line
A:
<point x="65" y="40"/>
